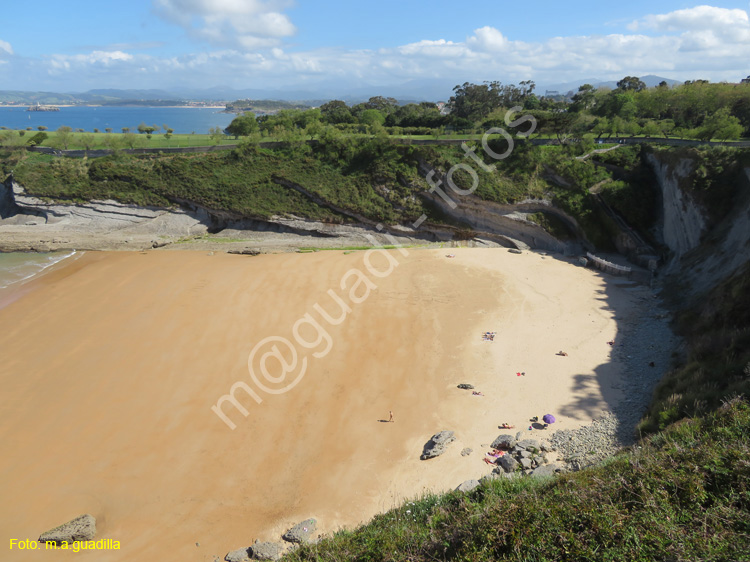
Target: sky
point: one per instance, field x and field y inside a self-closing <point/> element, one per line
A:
<point x="337" y="45"/>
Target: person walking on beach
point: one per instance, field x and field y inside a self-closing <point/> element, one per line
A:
<point x="390" y="416"/>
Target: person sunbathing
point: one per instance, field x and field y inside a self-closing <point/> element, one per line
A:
<point x="562" y="353"/>
<point x="488" y="461"/>
<point x="477" y="393"/>
<point x="507" y="426"/>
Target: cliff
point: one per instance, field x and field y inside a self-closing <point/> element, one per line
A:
<point x="703" y="248"/>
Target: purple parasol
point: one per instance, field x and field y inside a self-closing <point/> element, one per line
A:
<point x="548" y="418"/>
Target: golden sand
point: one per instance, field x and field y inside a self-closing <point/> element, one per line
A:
<point x="111" y="365"/>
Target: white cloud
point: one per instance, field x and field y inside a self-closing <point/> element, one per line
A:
<point x="5" y="46"/>
<point x="488" y="39"/>
<point x="243" y="24"/>
<point x="712" y="52"/>
<point x="700" y="18"/>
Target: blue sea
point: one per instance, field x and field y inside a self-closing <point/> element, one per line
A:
<point x="183" y="120"/>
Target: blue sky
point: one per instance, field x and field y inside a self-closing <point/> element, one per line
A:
<point x="77" y="45"/>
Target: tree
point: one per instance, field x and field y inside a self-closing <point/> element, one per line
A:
<point x="372" y="117"/>
<point x="216" y="134"/>
<point x="42" y="128"/>
<point x="87" y="141"/>
<point x="129" y="139"/>
<point x="562" y="125"/>
<point x="336" y="111"/>
<point x="37" y="139"/>
<point x="243" y="125"/>
<point x="108" y="130"/>
<point x="63" y="136"/>
<point x="584" y="99"/>
<point x="720" y="125"/>
<point x="475" y="101"/>
<point x="125" y="130"/>
<point x="384" y="105"/>
<point x="651" y="129"/>
<point x="631" y="83"/>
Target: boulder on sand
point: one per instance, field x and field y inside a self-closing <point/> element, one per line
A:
<point x="508" y="463"/>
<point x="466" y="386"/>
<point x="82" y="528"/>
<point x="266" y="551"/>
<point x="239" y="555"/>
<point x="504" y="441"/>
<point x="301" y="532"/>
<point x="467" y="486"/>
<point x="437" y="444"/>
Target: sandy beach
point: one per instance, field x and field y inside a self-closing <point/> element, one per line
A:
<point x="112" y="363"/>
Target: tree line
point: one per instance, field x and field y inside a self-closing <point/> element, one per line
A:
<point x="696" y="109"/>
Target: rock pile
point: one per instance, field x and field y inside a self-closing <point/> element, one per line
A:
<point x="522" y="456"/>
<point x="301" y="533"/>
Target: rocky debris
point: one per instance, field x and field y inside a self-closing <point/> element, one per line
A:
<point x="437" y="445"/>
<point x="525" y="455"/>
<point x="301" y="532"/>
<point x="643" y="337"/>
<point x="466" y="452"/>
<point x="546" y="470"/>
<point x="507" y="463"/>
<point x="466" y="386"/>
<point x="246" y="252"/>
<point x="82" y="528"/>
<point x="468" y="486"/>
<point x="266" y="551"/>
<point x="504" y="441"/>
<point x="239" y="555"/>
<point x="515" y="251"/>
<point x="529" y="444"/>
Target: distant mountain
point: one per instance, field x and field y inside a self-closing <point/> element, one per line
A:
<point x="565" y="87"/>
<point x="436" y="89"/>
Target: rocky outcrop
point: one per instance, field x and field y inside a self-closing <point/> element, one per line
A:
<point x="682" y="219"/>
<point x="504" y="441"/>
<point x="239" y="555"/>
<point x="302" y="532"/>
<point x="266" y="551"/>
<point x="437" y="445"/>
<point x="107" y="216"/>
<point x="468" y="486"/>
<point x="510" y="221"/>
<point x="82" y="528"/>
<point x="702" y="253"/>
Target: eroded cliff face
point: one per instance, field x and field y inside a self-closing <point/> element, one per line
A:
<point x="101" y="216"/>
<point x="703" y="253"/>
<point x="682" y="220"/>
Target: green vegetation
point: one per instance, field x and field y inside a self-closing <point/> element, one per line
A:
<point x="368" y="176"/>
<point x="695" y="110"/>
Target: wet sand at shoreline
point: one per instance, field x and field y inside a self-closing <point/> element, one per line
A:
<point x="112" y="363"/>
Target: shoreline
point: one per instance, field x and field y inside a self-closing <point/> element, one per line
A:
<point x="503" y="295"/>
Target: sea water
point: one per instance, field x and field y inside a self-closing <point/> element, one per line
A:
<point x="183" y="120"/>
<point x="16" y="268"/>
